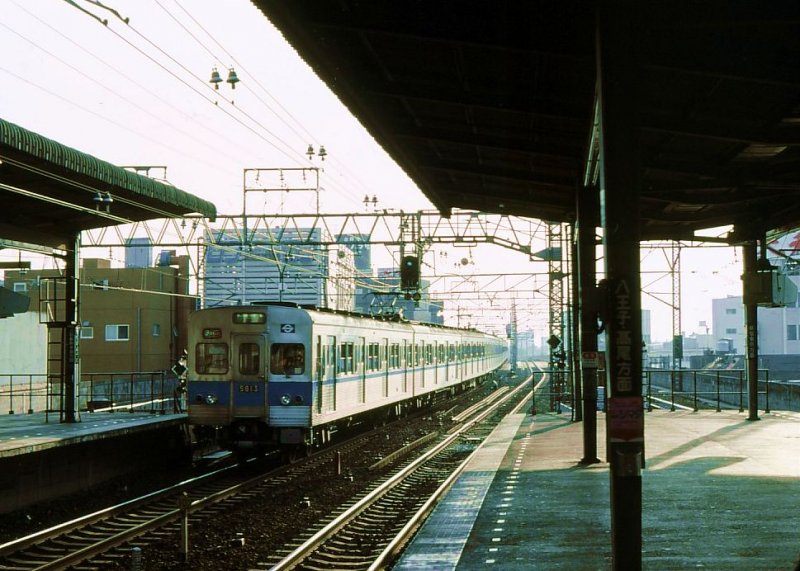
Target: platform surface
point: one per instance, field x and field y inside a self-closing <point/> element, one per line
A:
<point x="719" y="492"/>
<point x="30" y="433"/>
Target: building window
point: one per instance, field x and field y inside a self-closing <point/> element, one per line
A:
<point x="87" y="332"/>
<point x="156" y="330"/>
<point x="20" y="287"/>
<point x="730" y="311"/>
<point x="791" y="332"/>
<point x="730" y="331"/>
<point x="117" y="333"/>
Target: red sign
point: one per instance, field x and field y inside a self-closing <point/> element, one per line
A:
<point x="626" y="419"/>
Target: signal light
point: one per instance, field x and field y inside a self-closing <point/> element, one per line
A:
<point x="409" y="272"/>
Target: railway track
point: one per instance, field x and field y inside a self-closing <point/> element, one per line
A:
<point x="104" y="538"/>
<point x="372" y="530"/>
<point x="94" y="540"/>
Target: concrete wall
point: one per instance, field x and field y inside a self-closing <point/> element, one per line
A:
<point x="23" y="345"/>
<point x="34" y="478"/>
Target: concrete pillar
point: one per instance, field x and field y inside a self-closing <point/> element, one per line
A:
<point x="618" y="92"/>
<point x="751" y="292"/>
<point x="575" y="328"/>
<point x="70" y="350"/>
<point x="587" y="307"/>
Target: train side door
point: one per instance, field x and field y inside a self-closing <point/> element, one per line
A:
<point x="384" y="361"/>
<point x="319" y="374"/>
<point x="361" y="368"/>
<point x="405" y="355"/>
<point x="249" y="379"/>
<point x="329" y="380"/>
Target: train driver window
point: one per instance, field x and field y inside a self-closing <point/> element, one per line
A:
<point x="287" y="359"/>
<point x="211" y="358"/>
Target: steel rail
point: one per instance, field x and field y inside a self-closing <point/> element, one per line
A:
<point x="309" y="546"/>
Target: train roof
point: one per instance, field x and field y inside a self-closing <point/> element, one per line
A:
<point x="393" y="318"/>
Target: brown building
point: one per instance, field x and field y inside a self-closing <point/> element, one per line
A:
<point x="131" y="319"/>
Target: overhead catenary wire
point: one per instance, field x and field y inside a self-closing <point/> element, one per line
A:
<point x="254" y="79"/>
<point x="105" y="87"/>
<point x="256" y="127"/>
<point x="287" y="153"/>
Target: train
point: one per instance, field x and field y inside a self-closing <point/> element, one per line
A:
<point x="288" y="377"/>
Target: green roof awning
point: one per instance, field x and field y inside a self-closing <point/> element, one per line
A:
<point x="48" y="189"/>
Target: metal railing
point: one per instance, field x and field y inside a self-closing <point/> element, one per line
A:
<point x="20" y="394"/>
<point x="153" y="392"/>
<point x="673" y="389"/>
<point x="703" y="388"/>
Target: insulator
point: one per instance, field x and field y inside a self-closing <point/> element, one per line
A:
<point x="233" y="79"/>
<point x="215" y="78"/>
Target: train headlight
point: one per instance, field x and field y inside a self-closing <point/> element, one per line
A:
<point x="211" y="399"/>
<point x="298" y="399"/>
<point x="286" y="399"/>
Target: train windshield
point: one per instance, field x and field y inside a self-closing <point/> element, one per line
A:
<point x="287" y="359"/>
<point x="211" y="358"/>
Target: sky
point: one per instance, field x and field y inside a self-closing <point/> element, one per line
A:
<point x="137" y="93"/>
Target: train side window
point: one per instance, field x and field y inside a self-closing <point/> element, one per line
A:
<point x="346" y="364"/>
<point x="211" y="358"/>
<point x="394" y="356"/>
<point x="373" y="357"/>
<point x="249" y="358"/>
<point x="287" y="359"/>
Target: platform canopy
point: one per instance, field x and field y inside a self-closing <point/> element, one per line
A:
<point x="50" y="192"/>
<point x="490" y="105"/>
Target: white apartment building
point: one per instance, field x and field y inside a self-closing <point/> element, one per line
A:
<point x="778" y="327"/>
<point x="294" y="269"/>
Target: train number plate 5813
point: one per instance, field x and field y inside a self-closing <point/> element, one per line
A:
<point x="248" y="388"/>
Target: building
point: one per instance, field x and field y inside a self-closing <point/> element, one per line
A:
<point x="131" y="319"/>
<point x="778" y="327"/>
<point x="138" y="253"/>
<point x="727" y="324"/>
<point x="289" y="266"/>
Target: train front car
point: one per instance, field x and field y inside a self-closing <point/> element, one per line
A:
<point x="233" y="353"/>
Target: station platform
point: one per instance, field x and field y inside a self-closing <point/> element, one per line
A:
<point x="41" y="461"/>
<point x="718" y="492"/>
<point x="31" y="433"/>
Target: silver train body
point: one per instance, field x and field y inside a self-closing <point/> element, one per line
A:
<point x="281" y="375"/>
